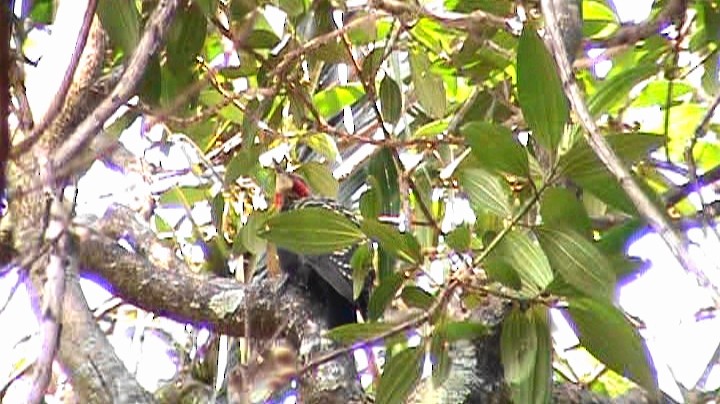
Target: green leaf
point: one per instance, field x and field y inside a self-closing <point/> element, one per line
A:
<point x="578" y="261"/>
<point x="371" y="64"/>
<point x="312" y="231"/>
<point x="615" y="89"/>
<point x="459" y="238"/>
<point x="243" y="163"/>
<point x="495" y="148"/>
<point x="331" y="101"/>
<point x="42" y="11"/>
<point x="582" y="165"/>
<point x="605" y="333"/>
<point x="429" y="87"/>
<point x="560" y="207"/>
<point x="518" y="346"/>
<point x="403" y="246"/>
<point x="370" y="202"/>
<point x="400" y="375"/>
<point x="441" y="362"/>
<point x="499" y="270"/>
<point x="527" y="259"/>
<point x="540" y="91"/>
<point x="462" y="330"/>
<point x="433" y="128"/>
<point x="351" y="333"/>
<point x="382" y="168"/>
<point x="536" y="388"/>
<point x="383" y="295"/>
<point x="415" y="296"/>
<point x="121" y="20"/>
<point x="615" y="240"/>
<point x="247" y="236"/>
<point x="185" y="196"/>
<point x="186" y="37"/>
<point x="324" y="144"/>
<point x="292" y="7"/>
<point x="581" y="162"/>
<point x="319" y="178"/>
<point x="361" y="263"/>
<point x="390" y="100"/>
<point x="486" y="191"/>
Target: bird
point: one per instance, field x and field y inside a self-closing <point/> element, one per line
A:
<point x="327" y="277"/>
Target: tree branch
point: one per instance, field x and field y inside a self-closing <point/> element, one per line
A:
<point x="157" y="26"/>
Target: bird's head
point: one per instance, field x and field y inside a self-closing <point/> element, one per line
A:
<point x="289" y="188"/>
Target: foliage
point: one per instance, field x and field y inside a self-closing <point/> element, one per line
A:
<point x="441" y="106"/>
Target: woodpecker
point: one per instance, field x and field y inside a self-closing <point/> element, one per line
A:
<point x="327" y="277"/>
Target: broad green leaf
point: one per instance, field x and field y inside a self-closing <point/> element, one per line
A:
<point x="312" y="231"/>
<point x="247" y="236"/>
<point x="121" y="20"/>
<point x="495" y="147"/>
<point x="459" y="238"/>
<point x="616" y="89"/>
<point x="390" y="100"/>
<point x="361" y="263"/>
<point x="186" y="37"/>
<point x="536" y="388"/>
<point x="431" y="129"/>
<point x="383" y="295"/>
<point x="540" y="91"/>
<point x="319" y="178"/>
<point x="292" y="7"/>
<point x="560" y="207"/>
<point x="42" y="11"/>
<point x="371" y="64"/>
<point x="400" y="375"/>
<point x="429" y="87"/>
<point x="656" y="92"/>
<point x="462" y="330"/>
<point x="499" y="270"/>
<point x="605" y="332"/>
<point x="468" y="6"/>
<point x="217" y="210"/>
<point x="350" y="333"/>
<point x="578" y="261"/>
<point x="441" y="362"/>
<point x="209" y="7"/>
<point x="243" y="163"/>
<point x="324" y="144"/>
<point x="331" y="101"/>
<point x="382" y="168"/>
<point x="527" y="259"/>
<point x="486" y="191"/>
<point x="518" y="346"/>
<point x="185" y="196"/>
<point x="403" y="246"/>
<point x="370" y="203"/>
<point x="582" y="165"/>
<point x="415" y="296"/>
<point x="598" y="19"/>
<point x="616" y="239"/>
